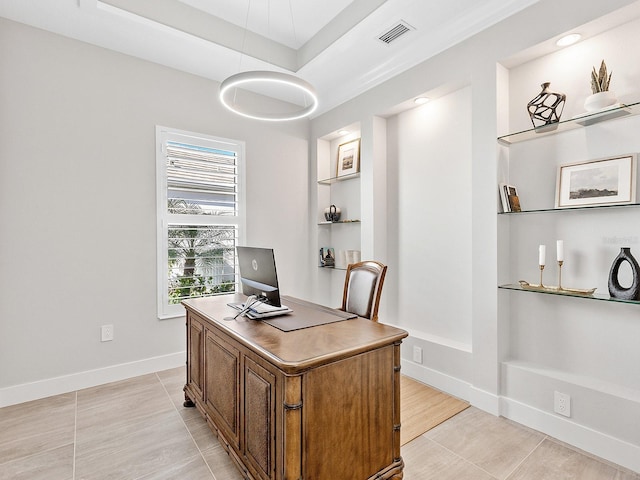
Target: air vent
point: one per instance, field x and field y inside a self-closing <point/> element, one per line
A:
<point x="395" y="32"/>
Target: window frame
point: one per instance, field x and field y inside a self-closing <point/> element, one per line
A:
<point x="166" y="310"/>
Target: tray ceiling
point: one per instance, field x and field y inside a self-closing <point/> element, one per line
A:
<point x="333" y="44"/>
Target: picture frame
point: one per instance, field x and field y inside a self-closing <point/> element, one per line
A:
<point x="509" y="198"/>
<point x="603" y="181"/>
<point x="348" y="158"/>
<point x="327" y="257"/>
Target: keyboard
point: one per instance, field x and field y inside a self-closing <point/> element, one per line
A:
<point x="261" y="310"/>
<point x="260" y="307"/>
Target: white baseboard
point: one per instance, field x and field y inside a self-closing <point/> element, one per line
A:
<point x="486" y="401"/>
<point x="453" y="386"/>
<point x="591" y="441"/>
<point x="446" y="383"/>
<point x="77" y="381"/>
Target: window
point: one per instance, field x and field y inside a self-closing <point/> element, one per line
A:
<point x="200" y="216"/>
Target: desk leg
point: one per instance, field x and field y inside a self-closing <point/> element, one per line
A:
<point x="394" y="472"/>
<point x="397" y="472"/>
<point x="187" y="401"/>
<point x="293" y="428"/>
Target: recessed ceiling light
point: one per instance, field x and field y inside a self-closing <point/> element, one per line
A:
<point x="420" y="100"/>
<point x="343" y="132"/>
<point x="568" y="40"/>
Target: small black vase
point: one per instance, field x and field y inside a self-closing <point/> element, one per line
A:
<point x="615" y="289"/>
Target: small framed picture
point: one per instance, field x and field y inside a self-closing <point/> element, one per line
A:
<point x="348" y="158"/>
<point x="327" y="257"/>
<point x="509" y="198"/>
<point x="605" y="181"/>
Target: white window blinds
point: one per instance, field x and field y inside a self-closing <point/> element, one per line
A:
<point x="199" y="217"/>
<point x="201" y="180"/>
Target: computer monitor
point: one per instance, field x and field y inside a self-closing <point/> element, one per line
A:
<point x="258" y="274"/>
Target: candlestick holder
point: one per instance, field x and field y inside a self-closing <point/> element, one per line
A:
<point x="555" y="289"/>
<point x="560" y="262"/>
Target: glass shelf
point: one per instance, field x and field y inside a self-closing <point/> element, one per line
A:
<point x="332" y="180"/>
<point x="340" y="221"/>
<point x="332" y="268"/>
<point x="572" y="123"/>
<point x="588" y="207"/>
<point x="594" y="296"/>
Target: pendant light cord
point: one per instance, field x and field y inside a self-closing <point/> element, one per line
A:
<point x="242" y="47"/>
<point x="293" y="26"/>
<point x="229" y="87"/>
<point x="244" y="35"/>
<point x="295" y="43"/>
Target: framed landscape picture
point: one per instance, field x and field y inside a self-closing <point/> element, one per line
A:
<point x="348" y="158"/>
<point x="606" y="181"/>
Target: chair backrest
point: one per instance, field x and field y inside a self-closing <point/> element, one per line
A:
<point x="362" y="288"/>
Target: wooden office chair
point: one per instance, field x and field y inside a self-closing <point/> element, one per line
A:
<point x="362" y="289"/>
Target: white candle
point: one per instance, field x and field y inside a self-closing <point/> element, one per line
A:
<point x="542" y="251"/>
<point x="560" y="245"/>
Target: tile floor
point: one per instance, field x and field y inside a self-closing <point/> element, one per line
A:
<point x="138" y="429"/>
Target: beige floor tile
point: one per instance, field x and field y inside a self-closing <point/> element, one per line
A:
<point x="125" y="393"/>
<point x="177" y="396"/>
<point x="122" y="403"/>
<point x="15" y="415"/>
<point x="221" y="464"/>
<point x="116" y="415"/>
<point x="108" y="438"/>
<point x="54" y="464"/>
<point x="174" y="388"/>
<point x="426" y="460"/>
<point x="495" y="445"/>
<point x="173" y="381"/>
<point x="627" y="475"/>
<point x="173" y="376"/>
<point x="129" y="451"/>
<point x="194" y="469"/>
<point x="189" y="414"/>
<point x="552" y="461"/>
<point x="623" y="473"/>
<point x="37" y="426"/>
<point x="201" y="433"/>
<point x="138" y="429"/>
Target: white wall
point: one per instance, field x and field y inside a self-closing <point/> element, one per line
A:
<point x="430" y="225"/>
<point x="78" y="207"/>
<point x="569" y="71"/>
<point x="582" y="348"/>
<point x="472" y="347"/>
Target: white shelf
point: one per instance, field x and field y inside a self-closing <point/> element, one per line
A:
<point x="577" y="122"/>
<point x="332" y="180"/>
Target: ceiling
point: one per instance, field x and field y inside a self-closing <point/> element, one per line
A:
<point x="332" y="44"/>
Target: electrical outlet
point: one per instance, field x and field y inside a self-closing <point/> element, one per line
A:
<point x="562" y="404"/>
<point x="106" y="333"/>
<point x="417" y="354"/>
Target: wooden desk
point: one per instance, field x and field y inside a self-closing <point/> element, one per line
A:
<point x="321" y="403"/>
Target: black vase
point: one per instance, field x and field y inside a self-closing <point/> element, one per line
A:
<point x="546" y="108"/>
<point x="615" y="289"/>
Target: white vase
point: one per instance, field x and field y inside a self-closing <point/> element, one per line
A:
<point x="599" y="100"/>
